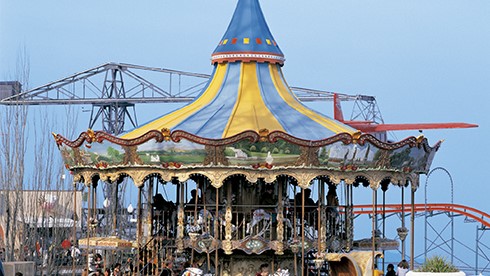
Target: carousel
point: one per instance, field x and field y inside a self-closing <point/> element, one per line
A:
<point x="261" y="181"/>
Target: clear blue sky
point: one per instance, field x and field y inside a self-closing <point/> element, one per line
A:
<point x="425" y="61"/>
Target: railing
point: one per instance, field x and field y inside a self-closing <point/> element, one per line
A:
<point x="253" y="221"/>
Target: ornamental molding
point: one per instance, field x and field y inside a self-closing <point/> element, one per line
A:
<point x="88" y="137"/>
<point x="218" y="175"/>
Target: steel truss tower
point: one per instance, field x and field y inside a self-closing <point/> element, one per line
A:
<point x="125" y="85"/>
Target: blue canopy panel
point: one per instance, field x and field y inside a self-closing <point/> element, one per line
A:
<point x="248" y="37"/>
<point x="246" y="96"/>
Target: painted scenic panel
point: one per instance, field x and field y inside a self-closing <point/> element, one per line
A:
<point x="184" y="152"/>
<point x="245" y="153"/>
<point x="355" y="156"/>
<point x="149" y="153"/>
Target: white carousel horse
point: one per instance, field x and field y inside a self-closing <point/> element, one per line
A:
<point x="282" y="272"/>
<point x="193" y="271"/>
<point x="258" y="216"/>
<point x="199" y="223"/>
<point x="203" y="217"/>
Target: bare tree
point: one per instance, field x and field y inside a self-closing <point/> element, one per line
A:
<point x="36" y="192"/>
<point x="13" y="141"/>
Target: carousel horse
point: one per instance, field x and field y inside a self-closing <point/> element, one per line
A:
<point x="195" y="225"/>
<point x="258" y="216"/>
<point x="281" y="272"/>
<point x="203" y="217"/>
<point x="192" y="271"/>
<point x="310" y="231"/>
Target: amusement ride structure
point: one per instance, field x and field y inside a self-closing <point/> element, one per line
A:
<point x="243" y="158"/>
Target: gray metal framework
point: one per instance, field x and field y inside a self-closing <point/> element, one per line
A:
<point x="113" y="89"/>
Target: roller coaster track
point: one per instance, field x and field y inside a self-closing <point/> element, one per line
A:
<point x="469" y="212"/>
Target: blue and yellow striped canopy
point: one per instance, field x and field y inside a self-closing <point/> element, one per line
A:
<point x="247" y="90"/>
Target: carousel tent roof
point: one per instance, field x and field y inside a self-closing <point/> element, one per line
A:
<point x="247" y="90"/>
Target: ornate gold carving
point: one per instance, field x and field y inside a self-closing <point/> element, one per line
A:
<point x="220" y="157"/>
<point x="308" y="157"/>
<point x="138" y="177"/>
<point x="228" y="227"/>
<point x="166" y="134"/>
<point x="91" y="136"/>
<point x="280" y="232"/>
<point x="263" y="133"/>
<point x="180" y="222"/>
<point x="87" y="177"/>
<point x="227" y="246"/>
<point x="209" y="158"/>
<point x="77" y="156"/>
<point x="356" y="136"/>
<point x="215" y="155"/>
<point x="131" y="155"/>
<point x="420" y="139"/>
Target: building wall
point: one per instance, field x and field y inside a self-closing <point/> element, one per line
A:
<point x="36" y="210"/>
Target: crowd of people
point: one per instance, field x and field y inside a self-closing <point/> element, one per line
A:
<point x="402" y="269"/>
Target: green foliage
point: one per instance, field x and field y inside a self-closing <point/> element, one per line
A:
<point x="437" y="264"/>
<point x="264" y="149"/>
<point x="275" y="150"/>
<point x="229" y="152"/>
<point x="253" y="148"/>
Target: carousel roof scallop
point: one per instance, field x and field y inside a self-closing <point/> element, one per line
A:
<point x="247" y="90"/>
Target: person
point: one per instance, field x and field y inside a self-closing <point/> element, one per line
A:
<point x="390" y="270"/>
<point x="267" y="197"/>
<point x="18" y="274"/>
<point x="129" y="266"/>
<point x="332" y="199"/>
<point x="95" y="263"/>
<point x="377" y="272"/>
<point x="75" y="253"/>
<point x="308" y="200"/>
<point x="107" y="272"/>
<point x="195" y="199"/>
<point x="117" y="270"/>
<point x="402" y="268"/>
<point x="263" y="270"/>
<point x="310" y="206"/>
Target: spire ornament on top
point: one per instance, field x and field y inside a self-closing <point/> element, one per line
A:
<point x="248" y="37"/>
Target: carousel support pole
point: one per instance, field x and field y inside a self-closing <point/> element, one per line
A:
<point x="280" y="219"/>
<point x="351" y="217"/>
<point x="295" y="236"/>
<point x="348" y="215"/>
<point x="139" y="228"/>
<point x="412" y="228"/>
<point x="180" y="219"/>
<point x="403" y="221"/>
<point x="302" y="231"/>
<point x="321" y="209"/>
<point x="74" y="230"/>
<point x="114" y="218"/>
<point x="149" y="219"/>
<point x="373" y="231"/>
<point x="94" y="201"/>
<point x="196" y="201"/>
<point x="216" y="232"/>
<point x="227" y="244"/>
<point x="89" y="225"/>
<point x="384" y="189"/>
<point x="319" y="260"/>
